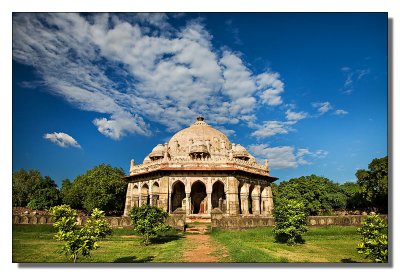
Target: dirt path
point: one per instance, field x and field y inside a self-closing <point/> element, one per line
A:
<point x="202" y="249"/>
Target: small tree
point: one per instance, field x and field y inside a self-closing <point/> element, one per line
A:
<point x="290" y="221"/>
<point x="374" y="239"/>
<point x="148" y="221"/>
<point x="78" y="240"/>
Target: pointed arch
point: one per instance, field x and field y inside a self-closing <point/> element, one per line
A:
<point x="218" y="196"/>
<point x="198" y="197"/>
<point x="177" y="195"/>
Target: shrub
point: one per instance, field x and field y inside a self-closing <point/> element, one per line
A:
<point x="78" y="240"/>
<point x="374" y="239"/>
<point x="148" y="221"/>
<point x="290" y="221"/>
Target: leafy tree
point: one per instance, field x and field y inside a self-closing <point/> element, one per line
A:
<point x="100" y="187"/>
<point x="71" y="194"/>
<point x="318" y="194"/>
<point x="374" y="239"/>
<point x="354" y="198"/>
<point x="374" y="184"/>
<point x="45" y="194"/>
<point x="148" y="221"/>
<point x="79" y="240"/>
<point x="22" y="186"/>
<point x="32" y="190"/>
<point x="290" y="221"/>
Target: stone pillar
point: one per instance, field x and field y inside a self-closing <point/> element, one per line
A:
<point x="270" y="201"/>
<point x="209" y="206"/>
<point x="151" y="199"/>
<point x="188" y="203"/>
<point x="256" y="205"/>
<point x="244" y="202"/>
<point x="169" y="203"/>
<point x="128" y="200"/>
<point x="264" y="202"/>
<point x="232" y="196"/>
<point x="140" y="199"/>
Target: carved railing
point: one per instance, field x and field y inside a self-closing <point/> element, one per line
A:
<point x="213" y="162"/>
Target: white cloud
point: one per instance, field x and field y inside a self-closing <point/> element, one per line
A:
<point x="282" y="157"/>
<point x="271" y="128"/>
<point x="272" y="88"/>
<point x="135" y="69"/>
<point x="322" y="107"/>
<point x="352" y="76"/>
<point x="62" y="139"/>
<point x="295" y="116"/>
<point x="340" y="112"/>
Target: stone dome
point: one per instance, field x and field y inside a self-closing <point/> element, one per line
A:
<point x="199" y="137"/>
<point x="157" y="152"/>
<point x="240" y="152"/>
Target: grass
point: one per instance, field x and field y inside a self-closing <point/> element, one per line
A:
<point x="35" y="244"/>
<point x="333" y="244"/>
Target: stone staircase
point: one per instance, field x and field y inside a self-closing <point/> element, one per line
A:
<point x="198" y="224"/>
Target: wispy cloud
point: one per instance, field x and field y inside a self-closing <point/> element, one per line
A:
<point x="295" y="116"/>
<point x="351" y="76"/>
<point x="62" y="139"/>
<point x="283" y="157"/>
<point x="322" y="107"/>
<point x="341" y="112"/>
<point x="271" y="128"/>
<point x="137" y="69"/>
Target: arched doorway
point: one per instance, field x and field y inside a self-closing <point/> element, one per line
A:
<point x="178" y="194"/>
<point x="135" y="196"/>
<point x="154" y="194"/>
<point x="250" y="199"/>
<point x="145" y="194"/>
<point x="218" y="197"/>
<point x="198" y="197"/>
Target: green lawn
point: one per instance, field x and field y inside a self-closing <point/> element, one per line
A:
<point x="322" y="244"/>
<point x="35" y="243"/>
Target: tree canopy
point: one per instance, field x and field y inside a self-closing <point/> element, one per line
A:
<point x="100" y="187"/>
<point x="319" y="195"/>
<point x="374" y="184"/>
<point x="30" y="189"/>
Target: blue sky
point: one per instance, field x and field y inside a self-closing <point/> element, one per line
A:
<point x="307" y="91"/>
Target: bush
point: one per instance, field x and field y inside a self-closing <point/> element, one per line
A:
<point x="78" y="240"/>
<point x="290" y="221"/>
<point x="148" y="221"/>
<point x="374" y="239"/>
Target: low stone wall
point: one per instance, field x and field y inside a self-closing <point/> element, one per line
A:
<point x="243" y="221"/>
<point x="176" y="221"/>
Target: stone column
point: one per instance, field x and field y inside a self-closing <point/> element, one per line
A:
<point x="188" y="203"/>
<point x="244" y="202"/>
<point x="169" y="203"/>
<point x="140" y="199"/>
<point x="209" y="206"/>
<point x="264" y="201"/>
<point x="128" y="200"/>
<point x="255" y="204"/>
<point x="232" y="196"/>
<point x="270" y="201"/>
<point x="151" y="199"/>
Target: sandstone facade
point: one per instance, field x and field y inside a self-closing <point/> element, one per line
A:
<point x="197" y="171"/>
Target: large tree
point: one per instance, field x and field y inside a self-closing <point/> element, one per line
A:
<point x="318" y="194"/>
<point x="100" y="187"/>
<point x="354" y="198"/>
<point x="374" y="184"/>
<point x="30" y="189"/>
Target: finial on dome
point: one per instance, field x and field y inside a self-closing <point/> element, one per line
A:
<point x="200" y="118"/>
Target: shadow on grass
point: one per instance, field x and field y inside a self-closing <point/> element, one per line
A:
<point x="134" y="259"/>
<point x="165" y="239"/>
<point x="348" y="261"/>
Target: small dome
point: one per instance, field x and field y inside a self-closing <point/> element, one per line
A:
<point x="146" y="160"/>
<point x="240" y="152"/>
<point x="157" y="152"/>
<point x="198" y="147"/>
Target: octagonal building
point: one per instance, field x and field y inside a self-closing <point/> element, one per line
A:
<point x="199" y="170"/>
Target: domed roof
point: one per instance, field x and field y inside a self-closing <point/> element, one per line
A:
<point x="239" y="151"/>
<point x="157" y="152"/>
<point x="201" y="136"/>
